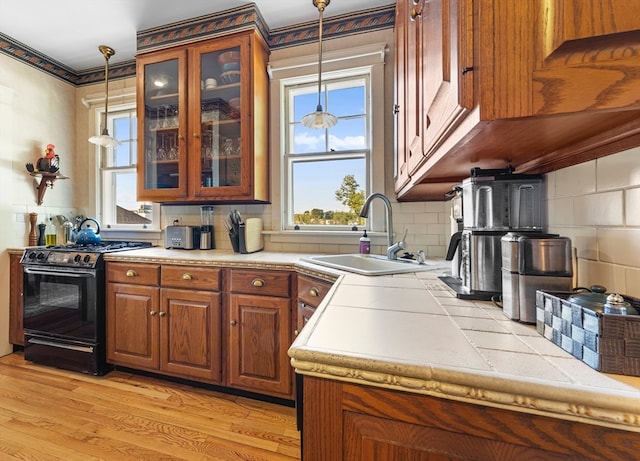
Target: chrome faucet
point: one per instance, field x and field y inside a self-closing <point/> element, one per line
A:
<point x="392" y="249"/>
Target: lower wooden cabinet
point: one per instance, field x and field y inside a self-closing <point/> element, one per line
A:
<point x="350" y="422"/>
<point x="260" y="319"/>
<point x="169" y="319"/>
<point x="260" y="328"/>
<point x="190" y="334"/>
<point x="176" y="331"/>
<point x="16" y="330"/>
<point x="311" y="292"/>
<point x="132" y="326"/>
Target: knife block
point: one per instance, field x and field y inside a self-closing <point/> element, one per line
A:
<point x="250" y="236"/>
<point x="248" y="239"/>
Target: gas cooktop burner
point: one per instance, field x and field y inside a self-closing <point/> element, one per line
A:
<point x="106" y="246"/>
<point x="76" y="255"/>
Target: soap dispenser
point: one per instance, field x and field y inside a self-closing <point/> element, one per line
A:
<point x="365" y="244"/>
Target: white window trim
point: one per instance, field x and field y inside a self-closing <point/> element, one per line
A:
<point x="99" y="172"/>
<point x="370" y="57"/>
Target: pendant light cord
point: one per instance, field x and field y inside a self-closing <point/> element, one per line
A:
<point x="106" y="93"/>
<point x="321" y="9"/>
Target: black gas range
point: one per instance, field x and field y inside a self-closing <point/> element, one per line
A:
<point x="64" y="304"/>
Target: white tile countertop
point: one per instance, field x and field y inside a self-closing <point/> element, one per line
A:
<point x="409" y="332"/>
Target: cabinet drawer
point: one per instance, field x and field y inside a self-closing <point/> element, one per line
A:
<point x="266" y="283"/>
<point x="133" y="273"/>
<point x="311" y="290"/>
<point x="201" y="278"/>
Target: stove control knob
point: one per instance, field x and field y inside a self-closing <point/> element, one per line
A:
<point x="32" y="255"/>
<point x="76" y="258"/>
<point x="41" y="256"/>
<point x="87" y="259"/>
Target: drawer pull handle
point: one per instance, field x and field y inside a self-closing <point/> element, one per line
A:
<point x="314" y="292"/>
<point x="152" y="313"/>
<point x="131" y="273"/>
<point x="234" y="323"/>
<point x="258" y="283"/>
<point x="162" y="314"/>
<point x="187" y="276"/>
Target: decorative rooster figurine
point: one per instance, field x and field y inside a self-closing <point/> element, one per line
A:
<point x="48" y="163"/>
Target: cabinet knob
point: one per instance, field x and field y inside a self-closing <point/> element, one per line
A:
<point x="180" y="137"/>
<point x="314" y="292"/>
<point x="196" y="135"/>
<point x="233" y="323"/>
<point x="187" y="276"/>
<point x="152" y="313"/>
<point x="466" y="69"/>
<point x="295" y="332"/>
<point x="162" y="314"/>
<point x="257" y="283"/>
<point x="131" y="273"/>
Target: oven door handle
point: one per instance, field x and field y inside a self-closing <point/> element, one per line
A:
<point x="72" y="347"/>
<point x="30" y="270"/>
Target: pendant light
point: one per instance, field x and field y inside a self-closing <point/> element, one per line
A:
<point x="104" y="139"/>
<point x="319" y="119"/>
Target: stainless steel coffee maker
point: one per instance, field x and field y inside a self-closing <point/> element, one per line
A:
<point x="494" y="202"/>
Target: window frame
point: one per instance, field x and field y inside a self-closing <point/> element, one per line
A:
<point x="342" y="59"/>
<point x="291" y="86"/>
<point x="106" y="186"/>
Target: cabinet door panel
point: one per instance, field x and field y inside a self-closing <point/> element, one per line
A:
<point x="587" y="58"/>
<point x="132" y="325"/>
<point x="413" y="85"/>
<point x="447" y="48"/>
<point x="258" y="341"/>
<point x="162" y="155"/>
<point x="370" y="437"/>
<point x="401" y="172"/>
<point x="191" y="333"/>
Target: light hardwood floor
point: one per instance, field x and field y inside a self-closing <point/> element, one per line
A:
<point x="50" y="414"/>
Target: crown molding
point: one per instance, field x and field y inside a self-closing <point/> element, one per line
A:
<point x="205" y="27"/>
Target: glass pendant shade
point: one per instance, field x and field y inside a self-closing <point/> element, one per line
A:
<point x="319" y="119"/>
<point x="104" y="139"/>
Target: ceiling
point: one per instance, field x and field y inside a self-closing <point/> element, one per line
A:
<point x="70" y="31"/>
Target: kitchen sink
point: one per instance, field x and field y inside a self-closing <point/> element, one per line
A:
<point x="368" y="264"/>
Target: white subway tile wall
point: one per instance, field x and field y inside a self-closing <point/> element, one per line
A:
<point x="597" y="205"/>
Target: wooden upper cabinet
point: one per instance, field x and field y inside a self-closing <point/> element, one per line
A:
<point x="203" y="122"/>
<point x="559" y="57"/>
<point x="434" y="50"/>
<point x="535" y="84"/>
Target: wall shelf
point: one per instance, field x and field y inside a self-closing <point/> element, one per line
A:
<point x="46" y="180"/>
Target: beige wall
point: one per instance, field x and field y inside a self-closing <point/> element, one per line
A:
<point x="597" y="205"/>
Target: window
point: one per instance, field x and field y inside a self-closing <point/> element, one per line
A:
<point x="120" y="208"/>
<point x="327" y="172"/>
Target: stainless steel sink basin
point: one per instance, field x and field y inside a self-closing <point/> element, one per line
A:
<point x="368" y="264"/>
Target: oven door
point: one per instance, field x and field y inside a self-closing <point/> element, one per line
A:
<point x="62" y="302"/>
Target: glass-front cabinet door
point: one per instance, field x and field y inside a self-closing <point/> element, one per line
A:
<point x="220" y="70"/>
<point x="202" y="121"/>
<point x="162" y="115"/>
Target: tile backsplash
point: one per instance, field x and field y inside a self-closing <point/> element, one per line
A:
<point x="597" y="205"/>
